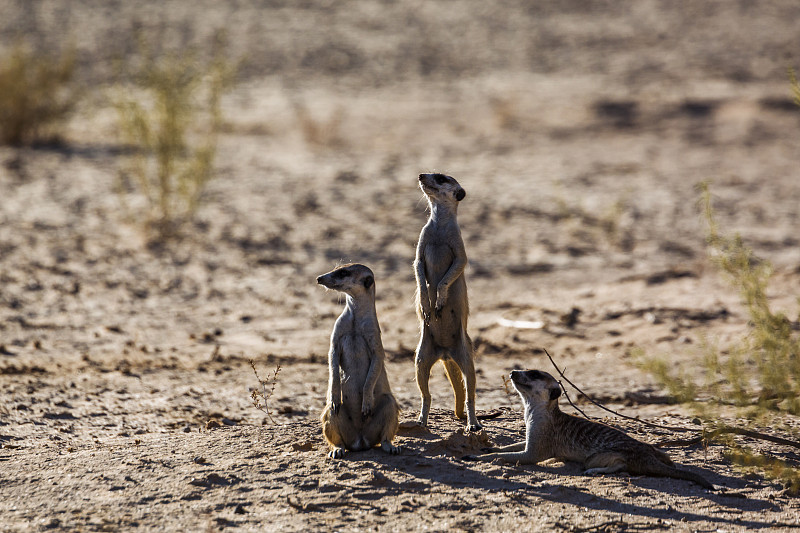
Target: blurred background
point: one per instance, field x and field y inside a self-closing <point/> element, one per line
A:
<point x="179" y="168"/>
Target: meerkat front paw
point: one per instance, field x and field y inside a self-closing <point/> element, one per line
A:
<point x="425" y="308"/>
<point x="474" y="427"/>
<point x="366" y="408"/>
<point x="441" y="299"/>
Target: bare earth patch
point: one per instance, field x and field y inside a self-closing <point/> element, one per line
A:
<point x="579" y="134"/>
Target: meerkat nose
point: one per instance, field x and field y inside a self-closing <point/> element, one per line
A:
<point x="319" y="279"/>
<point x="421" y="177"/>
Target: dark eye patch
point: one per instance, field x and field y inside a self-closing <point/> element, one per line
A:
<point x="339" y="274"/>
<point x="440" y="178"/>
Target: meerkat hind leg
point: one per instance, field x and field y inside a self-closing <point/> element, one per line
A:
<point x="384" y="424"/>
<point x="423" y="363"/>
<point x="605" y="463"/>
<point x="464" y="360"/>
<point x="332" y="431"/>
<point x="457" y="382"/>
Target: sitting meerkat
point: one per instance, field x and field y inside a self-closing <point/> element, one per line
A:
<point x="441" y="299"/>
<point x="361" y="411"/>
<point x="552" y="433"/>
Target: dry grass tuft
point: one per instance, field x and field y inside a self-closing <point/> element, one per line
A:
<point x="170" y="116"/>
<point x="37" y="94"/>
<point x="260" y="397"/>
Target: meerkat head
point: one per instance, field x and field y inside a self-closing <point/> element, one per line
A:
<point x="441" y="189"/>
<point x="352" y="279"/>
<point x="535" y="386"/>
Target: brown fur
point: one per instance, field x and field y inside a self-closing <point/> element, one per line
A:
<point x="441" y="299"/>
<point x="601" y="449"/>
<point x="361" y="411"/>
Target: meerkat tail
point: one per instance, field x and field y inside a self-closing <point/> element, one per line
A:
<point x="661" y="469"/>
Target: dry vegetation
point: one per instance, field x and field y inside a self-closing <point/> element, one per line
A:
<point x="172" y="134"/>
<point x="579" y="131"/>
<point x="759" y="375"/>
<point x="38" y="93"/>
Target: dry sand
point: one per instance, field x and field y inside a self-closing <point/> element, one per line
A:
<point x="579" y="131"/>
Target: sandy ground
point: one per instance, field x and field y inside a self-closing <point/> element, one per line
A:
<point x="579" y="131"/>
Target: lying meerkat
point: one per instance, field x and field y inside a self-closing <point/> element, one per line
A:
<point x="602" y="449"/>
<point x="441" y="299"/>
<point x="361" y="411"/>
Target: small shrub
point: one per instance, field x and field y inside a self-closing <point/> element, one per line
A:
<point x="37" y="94"/>
<point x="260" y="397"/>
<point x="758" y="377"/>
<point x="170" y="117"/>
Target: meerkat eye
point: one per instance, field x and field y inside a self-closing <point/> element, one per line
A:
<point x="440" y="178"/>
<point x="339" y="274"/>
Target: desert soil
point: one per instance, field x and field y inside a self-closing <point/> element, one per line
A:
<point x="579" y="131"/>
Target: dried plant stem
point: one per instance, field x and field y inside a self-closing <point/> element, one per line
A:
<point x="705" y="435"/>
<point x="261" y="398"/>
<point x="601" y="406"/>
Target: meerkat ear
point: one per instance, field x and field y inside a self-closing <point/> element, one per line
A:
<point x="460" y="194"/>
<point x="555" y="393"/>
<point x="368" y="281"/>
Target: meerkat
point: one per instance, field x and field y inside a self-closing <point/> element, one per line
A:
<point x="361" y="410"/>
<point x="602" y="449"/>
<point x="441" y="299"/>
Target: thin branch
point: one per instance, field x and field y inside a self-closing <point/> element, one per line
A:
<point x="756" y="435"/>
<point x="264" y="395"/>
<point x="566" y="395"/>
<point x="703" y="434"/>
<point x="601" y="406"/>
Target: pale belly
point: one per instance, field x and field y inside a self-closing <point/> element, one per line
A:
<point x="353" y="369"/>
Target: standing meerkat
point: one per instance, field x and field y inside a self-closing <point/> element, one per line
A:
<point x="361" y="411"/>
<point x="441" y="299"/>
<point x="602" y="449"/>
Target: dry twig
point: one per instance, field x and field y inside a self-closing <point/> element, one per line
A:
<point x="601" y="406"/>
<point x="704" y="435"/>
<point x="261" y="397"/>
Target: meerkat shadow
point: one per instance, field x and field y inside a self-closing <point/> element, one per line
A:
<point x="560" y="491"/>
